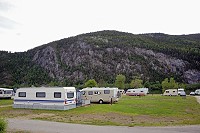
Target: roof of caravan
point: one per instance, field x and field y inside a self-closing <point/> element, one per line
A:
<point x="139" y="89"/>
<point x="97" y="88"/>
<point x="5" y="89"/>
<point x="48" y="88"/>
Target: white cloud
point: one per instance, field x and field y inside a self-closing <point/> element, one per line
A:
<point x="43" y="21"/>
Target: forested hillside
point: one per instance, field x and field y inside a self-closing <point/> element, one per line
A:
<point x="102" y="56"/>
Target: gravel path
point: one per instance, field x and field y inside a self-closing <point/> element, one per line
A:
<point x="198" y="99"/>
<point x="38" y="126"/>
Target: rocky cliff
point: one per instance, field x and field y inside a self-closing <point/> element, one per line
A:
<point x="102" y="55"/>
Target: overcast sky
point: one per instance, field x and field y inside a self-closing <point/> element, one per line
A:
<point x="25" y="24"/>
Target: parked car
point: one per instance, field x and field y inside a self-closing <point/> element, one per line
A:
<point x="182" y="93"/>
<point x="192" y="93"/>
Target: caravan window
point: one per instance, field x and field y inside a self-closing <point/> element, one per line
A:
<point x="22" y="94"/>
<point x="106" y="91"/>
<point x="40" y="94"/>
<point x="90" y="92"/>
<point x="97" y="92"/>
<point x="8" y="92"/>
<point x="167" y="91"/>
<point x="57" y="94"/>
<point x="1" y="92"/>
<point x="70" y="95"/>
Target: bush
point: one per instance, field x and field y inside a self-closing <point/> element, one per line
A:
<point x="3" y="125"/>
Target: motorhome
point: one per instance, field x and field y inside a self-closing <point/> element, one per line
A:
<point x="197" y="92"/>
<point x="100" y="95"/>
<point x="170" y="92"/>
<point x="180" y="90"/>
<point x="6" y="93"/>
<point x="137" y="92"/>
<point x="55" y="98"/>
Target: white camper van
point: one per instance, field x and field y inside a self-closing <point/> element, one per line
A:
<point x="180" y="90"/>
<point x="197" y="92"/>
<point x="137" y="92"/>
<point x="55" y="98"/>
<point x="6" y="93"/>
<point x="100" y="95"/>
<point x="170" y="92"/>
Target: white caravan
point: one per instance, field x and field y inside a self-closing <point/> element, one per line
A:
<point x="197" y="92"/>
<point x="137" y="92"/>
<point x="100" y="95"/>
<point x="6" y="93"/>
<point x="170" y="92"/>
<point x="180" y="90"/>
<point x="55" y="98"/>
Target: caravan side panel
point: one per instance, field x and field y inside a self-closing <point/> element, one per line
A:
<point x="45" y="98"/>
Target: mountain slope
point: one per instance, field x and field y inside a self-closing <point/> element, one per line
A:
<point x="104" y="54"/>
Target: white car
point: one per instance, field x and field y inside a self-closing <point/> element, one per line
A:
<point x="182" y="93"/>
<point x="192" y="93"/>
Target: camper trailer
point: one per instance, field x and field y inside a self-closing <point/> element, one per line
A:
<point x="100" y="95"/>
<point x="6" y="93"/>
<point x="137" y="92"/>
<point x="170" y="92"/>
<point x="55" y="98"/>
<point x="197" y="92"/>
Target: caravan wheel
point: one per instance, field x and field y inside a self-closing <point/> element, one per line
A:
<point x="100" y="101"/>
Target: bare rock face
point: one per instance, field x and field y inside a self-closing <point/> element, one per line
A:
<point x="47" y="59"/>
<point x="192" y="76"/>
<point x="78" y="60"/>
<point x="167" y="63"/>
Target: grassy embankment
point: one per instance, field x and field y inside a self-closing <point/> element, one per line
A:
<point x="129" y="111"/>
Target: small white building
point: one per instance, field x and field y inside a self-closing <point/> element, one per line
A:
<point x="100" y="95"/>
<point x="54" y="98"/>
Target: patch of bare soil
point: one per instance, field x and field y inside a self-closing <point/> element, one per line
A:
<point x="109" y="117"/>
<point x="35" y="116"/>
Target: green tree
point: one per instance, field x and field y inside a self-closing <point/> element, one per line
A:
<point x="91" y="83"/>
<point x="102" y="83"/>
<point x="169" y="84"/>
<point x="120" y="81"/>
<point x="136" y="83"/>
<point x="182" y="85"/>
<point x="173" y="84"/>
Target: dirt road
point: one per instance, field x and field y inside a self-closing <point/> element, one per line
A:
<point x="37" y="126"/>
<point x="198" y="99"/>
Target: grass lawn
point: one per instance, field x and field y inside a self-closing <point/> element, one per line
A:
<point x="150" y="110"/>
<point x="6" y="102"/>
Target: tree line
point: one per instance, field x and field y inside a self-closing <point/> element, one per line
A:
<point x="136" y="82"/>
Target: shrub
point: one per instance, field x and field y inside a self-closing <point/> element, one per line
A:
<point x="3" y="125"/>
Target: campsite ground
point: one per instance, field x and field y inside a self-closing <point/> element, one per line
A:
<point x="151" y="110"/>
<point x="38" y="126"/>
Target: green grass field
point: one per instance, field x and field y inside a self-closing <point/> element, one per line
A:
<point x="150" y="110"/>
<point x="6" y="102"/>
